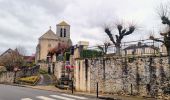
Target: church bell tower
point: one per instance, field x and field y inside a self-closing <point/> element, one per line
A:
<point x="63" y="30"/>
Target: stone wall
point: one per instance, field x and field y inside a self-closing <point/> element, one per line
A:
<point x="82" y="79"/>
<point x="58" y="69"/>
<point x="7" y="77"/>
<point x="144" y="76"/>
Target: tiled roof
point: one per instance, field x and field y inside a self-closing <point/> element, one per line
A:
<point x="63" y="23"/>
<point x="49" y="35"/>
<point x="29" y="58"/>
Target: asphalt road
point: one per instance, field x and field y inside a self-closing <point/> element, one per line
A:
<point x="8" y="92"/>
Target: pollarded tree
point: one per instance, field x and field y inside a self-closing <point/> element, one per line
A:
<point x="163" y="12"/>
<point x="117" y="38"/>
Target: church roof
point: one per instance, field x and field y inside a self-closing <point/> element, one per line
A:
<point x="63" y="23"/>
<point x="49" y="35"/>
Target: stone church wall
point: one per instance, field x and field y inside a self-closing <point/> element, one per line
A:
<point x="144" y="76"/>
<point x="45" y="45"/>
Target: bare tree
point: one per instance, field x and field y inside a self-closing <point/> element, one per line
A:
<point x="117" y="38"/>
<point x="104" y="47"/>
<point x="163" y="13"/>
<point x="13" y="59"/>
<point x="21" y="50"/>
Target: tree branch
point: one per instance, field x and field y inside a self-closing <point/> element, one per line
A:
<point x="107" y="30"/>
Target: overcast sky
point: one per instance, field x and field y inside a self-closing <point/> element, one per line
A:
<point x="22" y="22"/>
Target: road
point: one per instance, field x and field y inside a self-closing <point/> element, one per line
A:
<point x="8" y="92"/>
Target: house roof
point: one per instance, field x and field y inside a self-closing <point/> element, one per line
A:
<point x="29" y="58"/>
<point x="49" y="35"/>
<point x="7" y="51"/>
<point x="63" y="23"/>
<point x="141" y="46"/>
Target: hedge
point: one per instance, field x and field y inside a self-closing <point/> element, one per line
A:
<point x="90" y="53"/>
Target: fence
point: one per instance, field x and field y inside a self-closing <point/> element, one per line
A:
<point x="27" y="71"/>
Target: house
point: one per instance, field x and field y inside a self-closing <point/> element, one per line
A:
<point x="140" y="49"/>
<point x="29" y="58"/>
<point x="6" y="54"/>
<point x="10" y="59"/>
<point x="163" y="49"/>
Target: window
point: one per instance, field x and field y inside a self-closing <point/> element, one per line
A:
<point x="64" y="32"/>
<point x="61" y="32"/>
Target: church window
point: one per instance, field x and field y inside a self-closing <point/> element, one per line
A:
<point x="61" y="32"/>
<point x="64" y="32"/>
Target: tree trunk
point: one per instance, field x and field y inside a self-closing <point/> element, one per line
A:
<point x="118" y="51"/>
<point x="168" y="53"/>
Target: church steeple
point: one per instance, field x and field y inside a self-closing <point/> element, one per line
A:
<point x="63" y="30"/>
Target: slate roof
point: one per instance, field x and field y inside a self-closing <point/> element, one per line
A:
<point x="141" y="46"/>
<point x="49" y="35"/>
<point x="63" y="23"/>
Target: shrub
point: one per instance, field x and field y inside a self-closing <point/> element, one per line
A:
<point x="90" y="53"/>
<point x="29" y="80"/>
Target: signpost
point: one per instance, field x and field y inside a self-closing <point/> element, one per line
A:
<point x="15" y="71"/>
<point x="68" y="68"/>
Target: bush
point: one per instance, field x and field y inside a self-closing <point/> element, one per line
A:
<point x="90" y="53"/>
<point x="29" y="80"/>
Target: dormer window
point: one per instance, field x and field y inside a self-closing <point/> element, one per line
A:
<point x="61" y="32"/>
<point x="64" y="32"/>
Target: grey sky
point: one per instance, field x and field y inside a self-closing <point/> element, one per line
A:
<point x="22" y="22"/>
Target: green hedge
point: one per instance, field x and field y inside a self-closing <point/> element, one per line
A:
<point x="90" y="53"/>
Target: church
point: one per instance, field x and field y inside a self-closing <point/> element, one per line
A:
<point x="51" y="41"/>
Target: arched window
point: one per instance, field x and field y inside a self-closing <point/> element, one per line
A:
<point x="61" y="32"/>
<point x="64" y="32"/>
